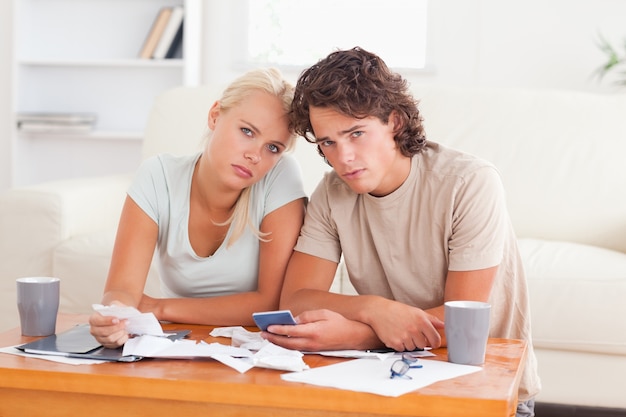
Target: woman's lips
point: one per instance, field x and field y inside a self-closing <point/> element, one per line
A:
<point x="242" y="171"/>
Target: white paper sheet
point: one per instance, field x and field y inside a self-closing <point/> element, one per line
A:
<point x="373" y="376"/>
<point x="138" y="323"/>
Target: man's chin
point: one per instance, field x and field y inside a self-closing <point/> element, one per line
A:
<point x="359" y="188"/>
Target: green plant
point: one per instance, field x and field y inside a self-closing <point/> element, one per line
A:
<point x="615" y="63"/>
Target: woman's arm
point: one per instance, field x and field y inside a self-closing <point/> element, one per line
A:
<point x="236" y="309"/>
<point x="132" y="254"/>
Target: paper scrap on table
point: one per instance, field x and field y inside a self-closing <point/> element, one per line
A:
<point x="253" y="341"/>
<point x="272" y="356"/>
<point x="240" y="337"/>
<point x="373" y="376"/>
<point x="138" y="323"/>
<point x="53" y="358"/>
<point x="239" y="358"/>
<point x="162" y="347"/>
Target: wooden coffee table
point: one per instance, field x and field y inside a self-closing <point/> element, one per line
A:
<point x="180" y="387"/>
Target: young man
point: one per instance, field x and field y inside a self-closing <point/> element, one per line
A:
<point x="418" y="224"/>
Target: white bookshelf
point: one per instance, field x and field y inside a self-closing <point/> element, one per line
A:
<point x="83" y="57"/>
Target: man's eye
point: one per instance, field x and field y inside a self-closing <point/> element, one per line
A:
<point x="326" y="143"/>
<point x="357" y="133"/>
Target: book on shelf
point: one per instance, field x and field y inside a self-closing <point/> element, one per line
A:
<point x="159" y="24"/>
<point x="172" y="36"/>
<point x="56" y="122"/>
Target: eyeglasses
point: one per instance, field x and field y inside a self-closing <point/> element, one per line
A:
<point x="400" y="367"/>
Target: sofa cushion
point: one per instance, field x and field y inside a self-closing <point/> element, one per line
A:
<point x="560" y="154"/>
<point x="577" y="295"/>
<point x="83" y="263"/>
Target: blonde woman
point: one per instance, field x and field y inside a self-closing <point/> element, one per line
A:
<point x="223" y="221"/>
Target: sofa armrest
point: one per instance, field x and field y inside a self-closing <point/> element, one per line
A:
<point x="34" y="220"/>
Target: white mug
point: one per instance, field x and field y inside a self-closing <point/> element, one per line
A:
<point x="467" y="331"/>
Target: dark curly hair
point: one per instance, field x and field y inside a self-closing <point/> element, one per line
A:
<point x="358" y="84"/>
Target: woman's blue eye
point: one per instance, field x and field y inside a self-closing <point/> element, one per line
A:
<point x="246" y="131"/>
<point x="273" y="148"/>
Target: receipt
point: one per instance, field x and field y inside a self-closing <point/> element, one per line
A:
<point x="138" y="323"/>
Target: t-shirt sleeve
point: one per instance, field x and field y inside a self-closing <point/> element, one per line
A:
<point x="144" y="190"/>
<point x="479" y="225"/>
<point x="283" y="184"/>
<point x="318" y="236"/>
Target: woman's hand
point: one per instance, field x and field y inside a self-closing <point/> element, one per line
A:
<point x="108" y="331"/>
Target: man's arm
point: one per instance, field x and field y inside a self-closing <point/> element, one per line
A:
<point x="467" y="285"/>
<point x="361" y="321"/>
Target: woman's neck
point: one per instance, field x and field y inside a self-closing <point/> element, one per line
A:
<point x="208" y="193"/>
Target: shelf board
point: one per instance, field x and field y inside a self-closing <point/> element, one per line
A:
<point x="119" y="63"/>
<point x="94" y="135"/>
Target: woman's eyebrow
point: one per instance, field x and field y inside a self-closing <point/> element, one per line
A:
<point x="252" y="126"/>
<point x="258" y="132"/>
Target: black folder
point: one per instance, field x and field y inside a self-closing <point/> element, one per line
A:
<point x="79" y="343"/>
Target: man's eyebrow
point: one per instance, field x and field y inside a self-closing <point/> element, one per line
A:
<point x="342" y="132"/>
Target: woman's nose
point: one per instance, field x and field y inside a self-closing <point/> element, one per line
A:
<point x="252" y="157"/>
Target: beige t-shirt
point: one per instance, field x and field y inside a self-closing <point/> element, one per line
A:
<point x="450" y="214"/>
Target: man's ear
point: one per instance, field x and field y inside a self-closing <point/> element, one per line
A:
<point x="214" y="113"/>
<point x="396" y="121"/>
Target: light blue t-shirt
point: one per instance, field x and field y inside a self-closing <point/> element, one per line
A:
<point x="162" y="189"/>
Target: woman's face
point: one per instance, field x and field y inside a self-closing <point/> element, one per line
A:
<point x="248" y="139"/>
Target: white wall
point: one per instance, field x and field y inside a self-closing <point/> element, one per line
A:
<point x="544" y="44"/>
<point x="6" y="12"/>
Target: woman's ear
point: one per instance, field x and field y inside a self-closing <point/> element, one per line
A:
<point x="214" y="113"/>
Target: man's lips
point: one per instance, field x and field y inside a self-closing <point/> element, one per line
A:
<point x="355" y="173"/>
<point x="242" y="171"/>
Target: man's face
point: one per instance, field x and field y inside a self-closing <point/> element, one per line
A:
<point x="362" y="151"/>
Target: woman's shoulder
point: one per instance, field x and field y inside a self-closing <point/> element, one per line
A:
<point x="286" y="169"/>
<point x="169" y="163"/>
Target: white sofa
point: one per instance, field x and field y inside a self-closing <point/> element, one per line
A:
<point x="562" y="159"/>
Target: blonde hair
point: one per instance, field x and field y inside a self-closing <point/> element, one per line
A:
<point x="271" y="81"/>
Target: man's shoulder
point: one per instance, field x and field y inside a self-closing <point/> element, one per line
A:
<point x="450" y="161"/>
<point x="336" y="188"/>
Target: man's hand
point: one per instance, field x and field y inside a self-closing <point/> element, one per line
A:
<point x="402" y="327"/>
<point x="319" y="330"/>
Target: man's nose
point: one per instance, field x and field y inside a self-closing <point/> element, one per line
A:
<point x="345" y="152"/>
